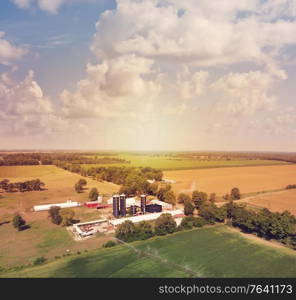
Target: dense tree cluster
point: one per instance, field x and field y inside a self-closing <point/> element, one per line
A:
<point x="129" y="232"/>
<point x="166" y="194"/>
<point x="30" y="185"/>
<point x="55" y="158"/>
<point x="266" y="224"/>
<point x="212" y="213"/>
<point x="79" y="186"/>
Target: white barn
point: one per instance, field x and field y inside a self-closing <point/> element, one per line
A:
<point x="67" y="204"/>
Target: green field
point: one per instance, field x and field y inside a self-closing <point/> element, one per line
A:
<point x="175" y="163"/>
<point x="209" y="252"/>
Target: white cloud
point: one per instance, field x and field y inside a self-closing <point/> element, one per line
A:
<point x="244" y="93"/>
<point x="111" y="88"/>
<point x="25" y="109"/>
<point x="8" y="52"/>
<point x="22" y="3"/>
<point x="51" y="6"/>
<point x="207" y="34"/>
<point x="191" y="85"/>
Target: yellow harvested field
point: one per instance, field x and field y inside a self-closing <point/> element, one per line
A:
<point x="222" y="180"/>
<point x="279" y="201"/>
<point x="59" y="188"/>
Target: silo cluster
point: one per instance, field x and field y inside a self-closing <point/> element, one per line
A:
<point x="119" y="206"/>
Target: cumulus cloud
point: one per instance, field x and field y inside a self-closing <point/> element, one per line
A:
<point x="25" y="109"/>
<point x="157" y="59"/>
<point x="207" y="34"/>
<point x="51" y="6"/>
<point x="8" y="52"/>
<point x="245" y="93"/>
<point x="22" y="3"/>
<point x="111" y="88"/>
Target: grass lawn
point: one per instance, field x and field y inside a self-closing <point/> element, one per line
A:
<point x="211" y="252"/>
<point x="44" y="238"/>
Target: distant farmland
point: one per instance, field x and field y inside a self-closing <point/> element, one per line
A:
<point x="279" y="201"/>
<point x="181" y="163"/>
<point x="195" y="250"/>
<point x="220" y="181"/>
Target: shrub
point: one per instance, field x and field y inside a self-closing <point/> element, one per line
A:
<point x="235" y="194"/>
<point x="291" y="186"/>
<point x="187" y="222"/>
<point x="109" y="244"/>
<point x="199" y="222"/>
<point x="39" y="261"/>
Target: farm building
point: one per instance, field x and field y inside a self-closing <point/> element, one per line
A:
<point x="67" y="204"/>
<point x="129" y="202"/>
<point x="170" y="181"/>
<point x="89" y="228"/>
<point x="163" y="204"/>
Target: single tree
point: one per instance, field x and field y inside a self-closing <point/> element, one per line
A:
<point x="54" y="214"/>
<point x="235" y="194"/>
<point x="199" y="198"/>
<point x="188" y="208"/>
<point x="67" y="216"/>
<point x="165" y="224"/>
<point x="182" y="198"/>
<point x="18" y="222"/>
<point x="169" y="197"/>
<point x="93" y="194"/>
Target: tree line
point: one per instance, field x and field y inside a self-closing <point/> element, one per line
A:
<point x="24" y="159"/>
<point x="30" y="185"/>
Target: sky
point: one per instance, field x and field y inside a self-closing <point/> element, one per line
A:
<point x="148" y="75"/>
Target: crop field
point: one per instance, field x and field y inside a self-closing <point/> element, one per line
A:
<point x="222" y="180"/>
<point x="238" y="257"/>
<point x="43" y="237"/>
<point x="175" y="163"/>
<point x="59" y="187"/>
<point x="279" y="201"/>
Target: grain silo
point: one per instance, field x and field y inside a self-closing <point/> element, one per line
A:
<point x="122" y="205"/>
<point x="143" y="203"/>
<point x="116" y="206"/>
